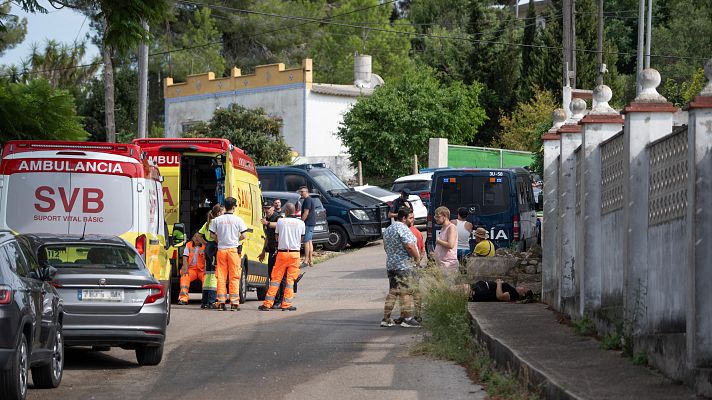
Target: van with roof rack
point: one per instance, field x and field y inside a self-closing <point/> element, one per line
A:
<point x="354" y="218"/>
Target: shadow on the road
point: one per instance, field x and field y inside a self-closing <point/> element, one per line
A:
<point x="78" y="358"/>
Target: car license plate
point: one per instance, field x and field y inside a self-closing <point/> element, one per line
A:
<point x="319" y="228"/>
<point x="111" y="295"/>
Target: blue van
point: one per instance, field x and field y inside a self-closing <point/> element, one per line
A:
<point x="354" y="217"/>
<point x="501" y="200"/>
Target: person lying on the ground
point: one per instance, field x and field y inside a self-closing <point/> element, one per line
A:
<point x="498" y="291"/>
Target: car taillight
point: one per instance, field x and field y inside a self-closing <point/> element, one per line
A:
<point x="155" y="293"/>
<point x="515" y="227"/>
<point x="141" y="244"/>
<point x="425" y="195"/>
<point x="5" y="294"/>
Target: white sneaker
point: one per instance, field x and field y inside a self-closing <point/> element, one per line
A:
<point x="410" y="323"/>
<point x="387" y="322"/>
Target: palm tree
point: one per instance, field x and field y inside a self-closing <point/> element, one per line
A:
<point x="62" y="65"/>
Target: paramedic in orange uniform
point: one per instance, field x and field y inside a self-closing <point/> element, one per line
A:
<point x="229" y="230"/>
<point x="290" y="232"/>
<point x="193" y="266"/>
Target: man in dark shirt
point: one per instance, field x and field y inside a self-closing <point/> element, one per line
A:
<point x="309" y="218"/>
<point x="498" y="291"/>
<point x="399" y="203"/>
<point x="271" y="216"/>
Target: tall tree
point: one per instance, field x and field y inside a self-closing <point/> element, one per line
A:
<point x="546" y="60"/>
<point x="60" y="65"/>
<point x="12" y="28"/>
<point x="386" y="129"/>
<point x="530" y="29"/>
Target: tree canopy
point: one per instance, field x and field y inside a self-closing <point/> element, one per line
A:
<point x="249" y="129"/>
<point x="386" y="129"/>
<point x="36" y="110"/>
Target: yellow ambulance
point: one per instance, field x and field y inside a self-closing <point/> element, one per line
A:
<point x="85" y="188"/>
<point x="199" y="173"/>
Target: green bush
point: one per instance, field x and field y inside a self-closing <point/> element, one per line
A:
<point x="584" y="326"/>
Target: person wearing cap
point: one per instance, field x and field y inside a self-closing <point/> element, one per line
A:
<point x="269" y="221"/>
<point x="484" y="247"/>
<point x="399" y="203"/>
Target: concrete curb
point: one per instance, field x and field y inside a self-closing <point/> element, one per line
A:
<point x="507" y="358"/>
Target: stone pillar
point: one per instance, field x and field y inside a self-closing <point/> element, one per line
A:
<point x="648" y="118"/>
<point x="437" y="153"/>
<point x="600" y="124"/>
<point x="570" y="140"/>
<point x="699" y="219"/>
<point x="550" y="246"/>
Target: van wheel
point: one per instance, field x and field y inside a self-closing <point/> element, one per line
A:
<point x="337" y="238"/>
<point x="243" y="284"/>
<point x="50" y="375"/>
<point x="149" y="355"/>
<point x="13" y="381"/>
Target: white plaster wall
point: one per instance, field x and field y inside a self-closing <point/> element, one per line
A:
<point x="324" y="115"/>
<point x="286" y="103"/>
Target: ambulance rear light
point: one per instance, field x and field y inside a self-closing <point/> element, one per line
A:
<point x="71" y="153"/>
<point x="515" y="227"/>
<point x="141" y="244"/>
<point x="155" y="293"/>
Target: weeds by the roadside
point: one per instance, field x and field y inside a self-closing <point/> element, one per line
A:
<point x="445" y="315"/>
<point x="612" y="341"/>
<point x="584" y="326"/>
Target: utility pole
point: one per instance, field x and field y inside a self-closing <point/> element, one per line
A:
<point x="573" y="43"/>
<point x="143" y="84"/>
<point x="641" y="43"/>
<point x="648" y="33"/>
<point x="599" y="78"/>
<point x="566" y="38"/>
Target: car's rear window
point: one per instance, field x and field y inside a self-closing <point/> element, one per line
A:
<point x="94" y="256"/>
<point x="413" y="186"/>
<point x="378" y="192"/>
<point x="485" y="195"/>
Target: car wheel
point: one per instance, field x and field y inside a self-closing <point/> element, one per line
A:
<point x="13" y="381"/>
<point x="149" y="355"/>
<point x="243" y="284"/>
<point x="50" y="375"/>
<point x="337" y="238"/>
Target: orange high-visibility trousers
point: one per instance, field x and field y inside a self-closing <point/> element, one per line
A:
<point x="287" y="262"/>
<point x="228" y="268"/>
<point x="193" y="274"/>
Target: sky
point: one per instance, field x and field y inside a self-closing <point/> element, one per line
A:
<point x="63" y="25"/>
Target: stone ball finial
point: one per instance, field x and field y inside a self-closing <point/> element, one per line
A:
<point x="707" y="90"/>
<point x="559" y="117"/>
<point x="578" y="109"/>
<point x="649" y="81"/>
<point x="602" y="94"/>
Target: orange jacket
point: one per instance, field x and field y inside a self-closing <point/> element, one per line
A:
<point x="196" y="257"/>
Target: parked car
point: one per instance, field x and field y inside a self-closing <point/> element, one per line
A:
<point x="501" y="200"/>
<point x="31" y="336"/>
<point x="321" y="230"/>
<point x="386" y="196"/>
<point x="110" y="297"/>
<point x="418" y="184"/>
<point x="354" y="218"/>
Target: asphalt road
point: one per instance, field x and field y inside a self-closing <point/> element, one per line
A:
<point x="331" y="347"/>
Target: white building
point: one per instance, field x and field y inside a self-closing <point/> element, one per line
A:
<point x="310" y="112"/>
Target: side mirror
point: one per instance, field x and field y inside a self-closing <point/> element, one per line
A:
<point x="46" y="272"/>
<point x="178" y="236"/>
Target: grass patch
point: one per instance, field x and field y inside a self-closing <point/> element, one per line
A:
<point x="324" y="255"/>
<point x="445" y="316"/>
<point x="584" y="326"/>
<point x="612" y="341"/>
<point x="640" y="358"/>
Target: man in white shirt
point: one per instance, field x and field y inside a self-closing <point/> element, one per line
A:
<point x="290" y="232"/>
<point x="229" y="230"/>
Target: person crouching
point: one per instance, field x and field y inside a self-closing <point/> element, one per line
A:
<point x="290" y="232"/>
<point x="193" y="266"/>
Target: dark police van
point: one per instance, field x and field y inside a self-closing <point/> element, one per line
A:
<point x="501" y="200"/>
<point x="354" y="218"/>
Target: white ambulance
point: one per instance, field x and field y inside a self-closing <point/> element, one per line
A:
<point x="83" y="187"/>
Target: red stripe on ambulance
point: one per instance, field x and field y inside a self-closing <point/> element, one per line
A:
<point x="73" y="166"/>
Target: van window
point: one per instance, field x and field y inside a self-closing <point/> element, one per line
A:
<point x="268" y="182"/>
<point x="524" y="194"/>
<point x="293" y="182"/>
<point x="475" y="192"/>
<point x="327" y="180"/>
